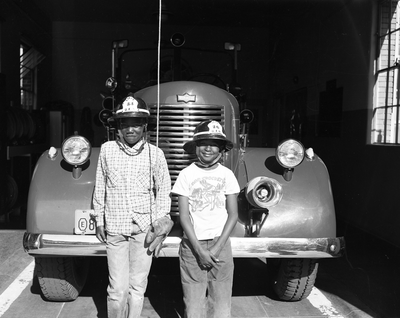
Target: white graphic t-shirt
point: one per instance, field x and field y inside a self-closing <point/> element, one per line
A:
<point x="206" y="190"/>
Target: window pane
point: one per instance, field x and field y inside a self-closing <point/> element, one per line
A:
<point x="29" y="60"/>
<point x="379" y="123"/>
<point x="385" y="88"/>
<point x="385" y="119"/>
<point x="388" y="16"/>
<point x="387" y="56"/>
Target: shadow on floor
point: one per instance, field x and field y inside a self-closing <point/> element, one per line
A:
<point x="367" y="276"/>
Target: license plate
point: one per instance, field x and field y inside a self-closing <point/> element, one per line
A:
<point x="84" y="223"/>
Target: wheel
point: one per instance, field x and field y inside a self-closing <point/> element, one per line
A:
<point x="61" y="278"/>
<point x="295" y="278"/>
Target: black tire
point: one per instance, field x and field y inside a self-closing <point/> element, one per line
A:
<point x="295" y="278"/>
<point x="61" y="278"/>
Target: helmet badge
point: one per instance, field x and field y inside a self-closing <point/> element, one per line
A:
<point x="215" y="128"/>
<point x="130" y="104"/>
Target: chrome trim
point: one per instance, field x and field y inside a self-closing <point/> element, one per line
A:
<point x="81" y="245"/>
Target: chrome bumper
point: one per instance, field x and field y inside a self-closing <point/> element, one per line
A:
<point x="260" y="247"/>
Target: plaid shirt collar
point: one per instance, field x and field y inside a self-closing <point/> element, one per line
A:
<point x="134" y="150"/>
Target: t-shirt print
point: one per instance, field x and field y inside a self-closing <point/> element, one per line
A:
<point x="207" y="193"/>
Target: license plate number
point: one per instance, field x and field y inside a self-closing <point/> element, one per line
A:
<point x="84" y="223"/>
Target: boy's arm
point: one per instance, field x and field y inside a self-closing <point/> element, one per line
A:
<point x="164" y="186"/>
<point x="203" y="255"/>
<point x="232" y="208"/>
<point x="99" y="199"/>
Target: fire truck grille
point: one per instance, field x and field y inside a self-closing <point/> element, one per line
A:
<point x="175" y="127"/>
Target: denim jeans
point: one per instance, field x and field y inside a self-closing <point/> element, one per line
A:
<point x="128" y="265"/>
<point x="197" y="282"/>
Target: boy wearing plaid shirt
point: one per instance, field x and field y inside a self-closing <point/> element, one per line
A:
<point x="132" y="194"/>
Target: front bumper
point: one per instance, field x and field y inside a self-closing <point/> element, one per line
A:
<point x="88" y="245"/>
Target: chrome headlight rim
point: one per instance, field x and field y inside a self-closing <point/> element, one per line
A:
<point x="79" y="142"/>
<point x="290" y="153"/>
<point x="272" y="188"/>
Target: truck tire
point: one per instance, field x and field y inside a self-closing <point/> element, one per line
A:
<point x="295" y="278"/>
<point x="61" y="278"/>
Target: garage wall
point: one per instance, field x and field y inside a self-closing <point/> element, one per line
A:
<point x="329" y="54"/>
<point x="19" y="20"/>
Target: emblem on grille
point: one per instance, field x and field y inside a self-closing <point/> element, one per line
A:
<point x="186" y="98"/>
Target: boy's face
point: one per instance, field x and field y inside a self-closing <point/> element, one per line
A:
<point x="132" y="130"/>
<point x="208" y="150"/>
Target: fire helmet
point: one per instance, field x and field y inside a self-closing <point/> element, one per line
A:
<point x="132" y="107"/>
<point x="209" y="129"/>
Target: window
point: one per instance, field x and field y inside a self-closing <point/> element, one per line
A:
<point x="386" y="115"/>
<point x="29" y="60"/>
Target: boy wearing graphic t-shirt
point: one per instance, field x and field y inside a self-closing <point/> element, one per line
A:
<point x="207" y="197"/>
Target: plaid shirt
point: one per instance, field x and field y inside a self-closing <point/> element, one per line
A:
<point x="125" y="180"/>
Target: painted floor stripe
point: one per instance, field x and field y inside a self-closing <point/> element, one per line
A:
<point x="319" y="301"/>
<point x="16" y="288"/>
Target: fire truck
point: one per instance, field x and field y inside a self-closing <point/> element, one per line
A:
<point x="286" y="206"/>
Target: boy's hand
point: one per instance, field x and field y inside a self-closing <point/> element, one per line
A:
<point x="157" y="233"/>
<point x="206" y="259"/>
<point x="214" y="252"/>
<point x="214" y="258"/>
<point x="160" y="227"/>
<point x="101" y="234"/>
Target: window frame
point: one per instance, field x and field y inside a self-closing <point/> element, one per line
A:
<point x="386" y="109"/>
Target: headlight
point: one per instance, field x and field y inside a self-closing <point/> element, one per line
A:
<point x="290" y="153"/>
<point x="76" y="150"/>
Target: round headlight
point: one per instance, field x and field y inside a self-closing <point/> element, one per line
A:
<point x="76" y="150"/>
<point x="290" y="153"/>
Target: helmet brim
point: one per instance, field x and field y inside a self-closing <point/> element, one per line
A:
<point x="130" y="121"/>
<point x="131" y="115"/>
<point x="190" y="146"/>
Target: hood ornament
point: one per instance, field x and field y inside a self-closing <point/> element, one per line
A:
<point x="186" y="98"/>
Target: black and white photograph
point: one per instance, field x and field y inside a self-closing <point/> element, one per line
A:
<point x="199" y="158"/>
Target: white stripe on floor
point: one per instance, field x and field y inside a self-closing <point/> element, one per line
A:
<point x="319" y="301"/>
<point x="16" y="288"/>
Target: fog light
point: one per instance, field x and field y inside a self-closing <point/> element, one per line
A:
<point x="263" y="192"/>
